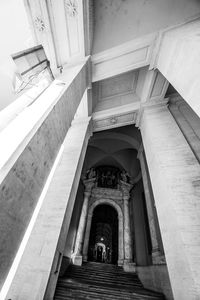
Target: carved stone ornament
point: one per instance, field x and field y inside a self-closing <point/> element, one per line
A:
<point x="89" y="184"/>
<point x="125" y="187"/>
<point x="72" y="8"/>
<point x="113" y="120"/>
<point x="39" y="24"/>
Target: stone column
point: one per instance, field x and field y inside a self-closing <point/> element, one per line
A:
<point x="175" y="178"/>
<point x="128" y="255"/>
<point x="157" y="256"/>
<point x="77" y="257"/>
<point x="87" y="237"/>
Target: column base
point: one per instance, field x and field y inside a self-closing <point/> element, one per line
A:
<point x="85" y="258"/>
<point x="77" y="260"/>
<point x="129" y="266"/>
<point x="120" y="262"/>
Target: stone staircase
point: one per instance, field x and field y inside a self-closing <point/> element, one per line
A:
<point x="101" y="281"/>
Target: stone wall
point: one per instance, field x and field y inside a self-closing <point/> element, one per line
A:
<point x="22" y="186"/>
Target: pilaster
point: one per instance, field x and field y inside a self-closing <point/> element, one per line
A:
<point x="128" y="265"/>
<point x="175" y="174"/>
<point x="77" y="257"/>
<point x="157" y="256"/>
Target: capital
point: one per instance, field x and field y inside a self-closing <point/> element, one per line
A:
<point x="151" y="105"/>
<point x="126" y="197"/>
<point x="87" y="193"/>
<point x="125" y="187"/>
<point x="89" y="183"/>
<point x="176" y="100"/>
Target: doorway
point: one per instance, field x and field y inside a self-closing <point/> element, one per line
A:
<point x="103" y="242"/>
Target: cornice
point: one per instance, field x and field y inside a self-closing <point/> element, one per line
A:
<point x="134" y="54"/>
<point x="123" y="58"/>
<point x="114" y="121"/>
<point x="115" y="117"/>
<point x="104" y="122"/>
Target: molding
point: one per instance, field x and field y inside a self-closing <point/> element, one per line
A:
<point x="105" y="193"/>
<point x="123" y="58"/>
<point x="133" y="54"/>
<point x="73" y="24"/>
<point x="88" y="20"/>
<point x="40" y="25"/>
<point x="151" y="105"/>
<point x="131" y="113"/>
<point x="114" y="121"/>
<point x="119" y="210"/>
<point x="89" y="73"/>
<point x="131" y="78"/>
<point x="118" y="110"/>
<point x="161" y="34"/>
<point x="161" y="87"/>
<point x="64" y="17"/>
<point x="176" y="99"/>
<point x="115" y="117"/>
<point x="155" y="86"/>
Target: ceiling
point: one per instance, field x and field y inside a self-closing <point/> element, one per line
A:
<point x="117" y="147"/>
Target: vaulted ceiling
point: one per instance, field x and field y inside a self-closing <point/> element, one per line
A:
<point x="117" y="147"/>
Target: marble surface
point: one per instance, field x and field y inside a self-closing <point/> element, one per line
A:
<point x="21" y="188"/>
<point x="174" y="173"/>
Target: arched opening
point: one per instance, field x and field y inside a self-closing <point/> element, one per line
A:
<point x="103" y="242"/>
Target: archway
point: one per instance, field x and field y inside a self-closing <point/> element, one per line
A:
<point x="104" y="225"/>
<point x="103" y="242"/>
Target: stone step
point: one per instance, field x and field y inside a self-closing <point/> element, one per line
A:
<point x="103" y="275"/>
<point x="101" y="271"/>
<point x="89" y="292"/>
<point x="107" y="280"/>
<point x="108" y="289"/>
<point x="99" y="294"/>
<point x="102" y="282"/>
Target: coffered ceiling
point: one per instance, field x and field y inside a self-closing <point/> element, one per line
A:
<point x="115" y="91"/>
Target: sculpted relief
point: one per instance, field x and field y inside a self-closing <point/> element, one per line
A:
<point x="107" y="176"/>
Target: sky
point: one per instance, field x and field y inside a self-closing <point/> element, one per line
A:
<point x="15" y="35"/>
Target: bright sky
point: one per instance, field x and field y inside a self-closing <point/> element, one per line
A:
<point x="15" y="35"/>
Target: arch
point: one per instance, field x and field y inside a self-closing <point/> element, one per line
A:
<point x="120" y="229"/>
<point x="135" y="144"/>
